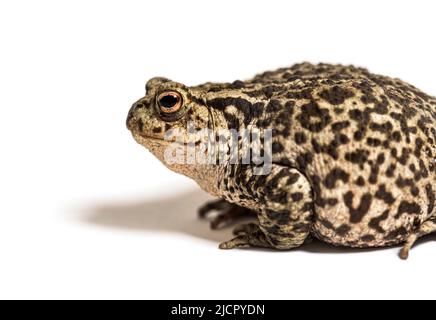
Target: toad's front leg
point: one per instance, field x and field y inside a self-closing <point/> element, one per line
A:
<point x="228" y="213"/>
<point x="283" y="202"/>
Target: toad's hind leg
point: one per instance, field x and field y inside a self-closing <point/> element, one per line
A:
<point x="283" y="201"/>
<point x="426" y="228"/>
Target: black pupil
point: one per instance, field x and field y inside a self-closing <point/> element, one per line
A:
<point x="168" y="101"/>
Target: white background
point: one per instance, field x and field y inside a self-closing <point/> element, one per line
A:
<point x="85" y="212"/>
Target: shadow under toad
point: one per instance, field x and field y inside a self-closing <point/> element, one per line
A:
<point x="175" y="213"/>
<point x="178" y="213"/>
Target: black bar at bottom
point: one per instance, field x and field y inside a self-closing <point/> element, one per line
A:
<point x="211" y="309"/>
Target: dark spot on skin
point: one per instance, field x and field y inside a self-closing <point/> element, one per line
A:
<point x="384" y="128"/>
<point x="343" y="230"/>
<point x="254" y="113"/>
<point x="419" y="143"/>
<point x="330" y="149"/>
<point x="273" y="183"/>
<point x="380" y="158"/>
<point x="246" y="108"/>
<point x="384" y="195"/>
<point x="367" y="92"/>
<point x="238" y="84"/>
<point x="374" y="223"/>
<point x="335" y="175"/>
<point x="338" y="126"/>
<point x="319" y="200"/>
<point x="360" y="181"/>
<point x="300" y="138"/>
<point x="232" y="172"/>
<point x="400" y="232"/>
<point x="297" y="196"/>
<point x="327" y="224"/>
<point x="280" y="217"/>
<point x="293" y="178"/>
<point x="269" y="91"/>
<point x="336" y="95"/>
<point x="273" y="106"/>
<point x="423" y="170"/>
<point x="308" y="206"/>
<point x="357" y="214"/>
<point x="396" y="116"/>
<point x="264" y="123"/>
<point x="412" y="167"/>
<point x="422" y="123"/>
<point x="284" y="133"/>
<point x="277" y="147"/>
<point x="381" y="107"/>
<point x="408" y="208"/>
<point x="403" y="183"/>
<point x="304" y="160"/>
<point x="391" y="170"/>
<point x="432" y="167"/>
<point x="232" y="121"/>
<point x="279" y="196"/>
<point x="260" y="181"/>
<point x="367" y="238"/>
<point x="374" y="174"/>
<point x="313" y="111"/>
<point x="359" y="157"/>
<point x="285" y="162"/>
<point x="139" y="105"/>
<point x="414" y="191"/>
<point x="358" y="135"/>
<point x="396" y="136"/>
<point x="343" y="139"/>
<point x="404" y="156"/>
<point x="157" y="130"/>
<point x="431" y="198"/>
<point x="300" y="95"/>
<point x="373" y="142"/>
<point x="362" y="118"/>
<point x="331" y="201"/>
<point x="301" y="227"/>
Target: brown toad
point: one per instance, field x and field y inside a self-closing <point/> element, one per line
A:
<point x="353" y="154"/>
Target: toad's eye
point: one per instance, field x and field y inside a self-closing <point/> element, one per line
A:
<point x="170" y="101"/>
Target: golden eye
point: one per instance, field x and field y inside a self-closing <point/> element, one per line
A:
<point x="170" y="101"/>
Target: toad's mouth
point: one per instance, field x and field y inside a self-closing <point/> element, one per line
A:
<point x="147" y="137"/>
<point x="163" y="141"/>
<point x="143" y="138"/>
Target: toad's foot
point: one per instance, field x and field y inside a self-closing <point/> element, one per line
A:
<point x="426" y="228"/>
<point x="247" y="235"/>
<point x="228" y="213"/>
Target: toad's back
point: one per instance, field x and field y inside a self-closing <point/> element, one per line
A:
<point x="365" y="142"/>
